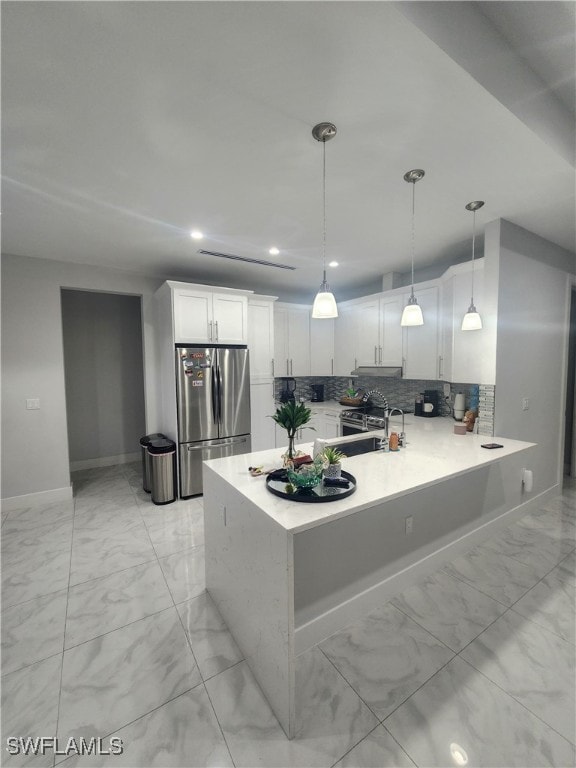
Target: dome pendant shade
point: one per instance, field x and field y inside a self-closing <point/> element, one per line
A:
<point x="412" y="313"/>
<point x="471" y="320"/>
<point x="324" y="306"/>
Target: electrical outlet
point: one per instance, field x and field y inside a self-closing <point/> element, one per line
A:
<point x="32" y="404"/>
<point x="409" y="521"/>
<point x="525" y="403"/>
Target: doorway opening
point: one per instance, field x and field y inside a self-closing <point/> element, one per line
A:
<point x="104" y="374"/>
<point x="569" y="421"/>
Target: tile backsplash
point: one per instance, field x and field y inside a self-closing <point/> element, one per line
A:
<point x="400" y="393"/>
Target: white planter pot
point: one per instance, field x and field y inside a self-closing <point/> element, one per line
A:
<point x="333" y="470"/>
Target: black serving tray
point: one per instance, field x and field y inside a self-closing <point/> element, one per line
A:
<point x="276" y="482"/>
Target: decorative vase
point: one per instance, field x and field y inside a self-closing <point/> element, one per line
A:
<point x="333" y="470"/>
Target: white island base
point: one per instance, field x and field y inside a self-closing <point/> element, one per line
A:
<point x="286" y="575"/>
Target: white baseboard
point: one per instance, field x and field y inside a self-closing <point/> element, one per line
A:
<point x="318" y="629"/>
<point x="104" y="461"/>
<point x="37" y="499"/>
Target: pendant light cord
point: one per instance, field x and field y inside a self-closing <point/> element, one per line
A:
<point x="473" y="247"/>
<point x="413" y="235"/>
<point x="324" y="207"/>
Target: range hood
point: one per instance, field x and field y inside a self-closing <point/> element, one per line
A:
<point x="390" y="371"/>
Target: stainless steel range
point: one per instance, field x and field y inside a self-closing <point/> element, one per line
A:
<point x="363" y="419"/>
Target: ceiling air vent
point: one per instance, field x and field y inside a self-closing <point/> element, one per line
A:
<point x="232" y="256"/>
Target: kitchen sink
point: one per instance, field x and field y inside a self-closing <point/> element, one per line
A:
<point x="357" y="447"/>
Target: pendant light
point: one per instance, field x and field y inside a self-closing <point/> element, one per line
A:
<point x="324" y="306"/>
<point x="472" y="320"/>
<point x="412" y="314"/>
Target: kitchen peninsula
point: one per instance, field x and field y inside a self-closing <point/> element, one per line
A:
<point x="285" y="575"/>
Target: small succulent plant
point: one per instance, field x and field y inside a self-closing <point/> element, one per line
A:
<point x="333" y="455"/>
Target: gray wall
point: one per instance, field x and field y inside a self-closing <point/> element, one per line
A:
<point x="531" y="354"/>
<point x="35" y="443"/>
<point x="104" y="374"/>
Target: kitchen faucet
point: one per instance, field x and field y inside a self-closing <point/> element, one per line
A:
<point x="389" y="412"/>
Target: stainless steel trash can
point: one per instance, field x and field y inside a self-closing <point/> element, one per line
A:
<point x="146" y="462"/>
<point x="162" y="455"/>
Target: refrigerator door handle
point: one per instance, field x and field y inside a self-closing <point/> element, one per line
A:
<point x="214" y="395"/>
<point x="219" y="379"/>
<point x="217" y="444"/>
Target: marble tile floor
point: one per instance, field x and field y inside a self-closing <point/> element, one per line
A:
<point x="107" y="631"/>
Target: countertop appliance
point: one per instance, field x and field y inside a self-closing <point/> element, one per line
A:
<point x="459" y="406"/>
<point x="289" y="387"/>
<point x="317" y="393"/>
<point x="431" y="403"/>
<point x="213" y="408"/>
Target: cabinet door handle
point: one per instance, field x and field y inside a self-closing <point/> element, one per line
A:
<point x="403" y="367"/>
<point x="380" y="355"/>
<point x="210" y="330"/>
<point x="440" y="371"/>
<point x="355" y="363"/>
<point x="272" y="361"/>
<point x="291" y="374"/>
<point x="375" y="355"/>
<point x="332" y="365"/>
<point x="216" y="330"/>
<point x="287" y="367"/>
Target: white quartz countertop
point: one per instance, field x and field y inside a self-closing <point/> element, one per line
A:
<point x="433" y="454"/>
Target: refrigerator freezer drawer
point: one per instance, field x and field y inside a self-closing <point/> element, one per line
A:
<point x="193" y="454"/>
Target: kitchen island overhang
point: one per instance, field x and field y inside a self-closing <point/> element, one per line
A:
<point x="286" y="575"/>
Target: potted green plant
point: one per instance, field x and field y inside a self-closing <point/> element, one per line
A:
<point x="291" y="416"/>
<point x="334" y="457"/>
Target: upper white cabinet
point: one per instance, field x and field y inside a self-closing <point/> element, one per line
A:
<point x="321" y="347"/>
<point x="390" y="348"/>
<point x="368" y="333"/>
<point x="204" y="316"/>
<point x="261" y="336"/>
<point x="462" y="352"/>
<point x="344" y="340"/>
<point x="421" y="342"/>
<point x="292" y="340"/>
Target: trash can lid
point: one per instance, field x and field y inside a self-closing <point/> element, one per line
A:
<point x="164" y="445"/>
<point x="147" y="439"/>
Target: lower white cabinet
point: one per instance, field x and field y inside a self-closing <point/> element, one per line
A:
<point x="262" y="407"/>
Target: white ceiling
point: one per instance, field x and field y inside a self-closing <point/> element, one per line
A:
<point x="127" y="124"/>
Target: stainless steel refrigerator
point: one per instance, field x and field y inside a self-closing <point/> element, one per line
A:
<point x="213" y="400"/>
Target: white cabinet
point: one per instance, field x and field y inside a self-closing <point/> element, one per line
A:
<point x="344" y="339"/>
<point x="292" y="340"/>
<point x="366" y="331"/>
<point x="262" y="407"/>
<point x="202" y="316"/>
<point x="322" y="347"/>
<point x="261" y="337"/>
<point x="421" y="342"/>
<point x="462" y="352"/>
<point x="390" y="330"/>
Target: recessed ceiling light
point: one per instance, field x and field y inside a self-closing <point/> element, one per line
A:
<point x="196" y="234"/>
<point x="274" y="251"/>
<point x="332" y="263"/>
